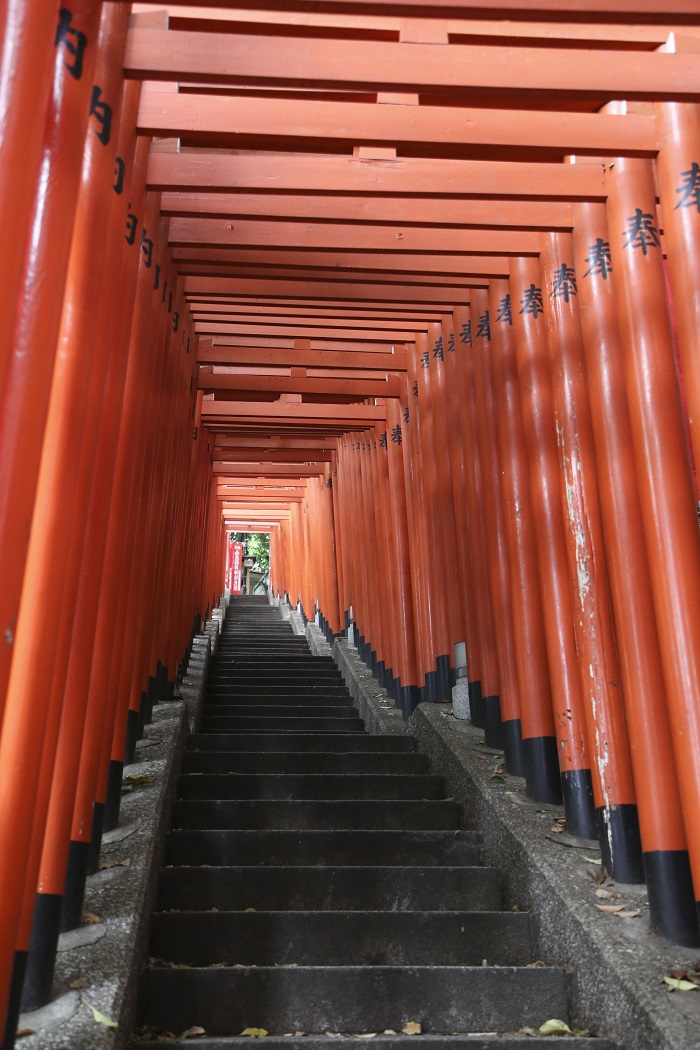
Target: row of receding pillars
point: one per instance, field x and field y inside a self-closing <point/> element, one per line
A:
<point x="532" y="497"/>
<point x="111" y="537"/>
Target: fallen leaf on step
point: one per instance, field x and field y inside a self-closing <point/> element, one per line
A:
<point x="89" y="918"/>
<point x="78" y="983"/>
<point x="497" y="779"/>
<point x="412" y="1028"/>
<point x="537" y="962"/>
<point x="592" y="860"/>
<point x="99" y="1017"/>
<point x="606" y="894"/>
<point x="366" y="1035"/>
<point x="598" y="875"/>
<point x="21" y="1032"/>
<point x="389" y="1031"/>
<point x="500" y="767"/>
<point x="678" y="985"/>
<point x="628" y="914"/>
<point x="190" y="1033"/>
<point x="610" y="907"/>
<point x="256" y="1033"/>
<point x="248" y="909"/>
<point x="105" y="864"/>
<point x="139" y="778"/>
<point x="555" y="1027"/>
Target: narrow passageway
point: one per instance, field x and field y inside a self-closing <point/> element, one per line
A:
<point x="318" y="883"/>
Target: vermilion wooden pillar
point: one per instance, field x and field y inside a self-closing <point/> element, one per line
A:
<point x="84" y="325"/>
<point x="663" y="466"/>
<point x="487" y="684"/>
<point x="555" y="584"/>
<point x="664" y="844"/>
<point x="459" y="343"/>
<point x="40" y="297"/>
<point x="403" y="434"/>
<point x="503" y="713"/>
<point x="455" y="449"/>
<point x="437" y="490"/>
<point x="541" y="765"/>
<point x="27" y="35"/>
<point x="404" y="608"/>
<point x="678" y="172"/>
<point x="611" y="769"/>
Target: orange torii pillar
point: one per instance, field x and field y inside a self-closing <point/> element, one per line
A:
<point x="503" y="711"/>
<point x="663" y="467"/>
<point x="400" y="434"/>
<point x="483" y="672"/>
<point x="34" y="319"/>
<point x="555" y="583"/>
<point x="541" y="764"/>
<point x="664" y="843"/>
<point x="455" y="446"/>
<point x="611" y="769"/>
<point x="404" y="609"/>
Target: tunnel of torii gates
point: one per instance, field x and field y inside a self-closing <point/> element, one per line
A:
<point x="415" y="287"/>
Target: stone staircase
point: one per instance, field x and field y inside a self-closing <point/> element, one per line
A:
<point x="318" y="884"/>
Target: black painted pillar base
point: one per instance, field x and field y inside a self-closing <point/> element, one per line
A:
<point x="476" y="705"/>
<point x="14" y="1001"/>
<point x="673" y="911"/>
<point x="410" y="698"/>
<point x="98" y="814"/>
<point x="373" y="663"/>
<point x="513" y="747"/>
<point x="74" y="890"/>
<point x="41" y="958"/>
<point x="113" y="801"/>
<point x="430" y="689"/>
<point x="493" y="736"/>
<point x="542" y="776"/>
<point x="132" y="729"/>
<point x="381" y="674"/>
<point x="443" y="678"/>
<point x="577" y="789"/>
<point x="620" y="842"/>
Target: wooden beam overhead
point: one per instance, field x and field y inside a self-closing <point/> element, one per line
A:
<point x="360" y="388"/>
<point x="442" y="211"/>
<point x="356" y="334"/>
<point x="685" y="12"/>
<point x="245" y="122"/>
<point x="378" y="65"/>
<point x="228" y="355"/>
<point x="280" y="410"/>
<point x="285" y="173"/>
<point x="334" y="237"/>
<point x="349" y="292"/>
<point x="357" y="266"/>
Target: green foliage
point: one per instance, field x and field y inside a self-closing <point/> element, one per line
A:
<point x="257" y="544"/>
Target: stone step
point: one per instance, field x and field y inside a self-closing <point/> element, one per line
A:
<point x="323" y="848"/>
<point x="296" y="708"/>
<point x="293" y="762"/>
<point x="260" y="814"/>
<point x="324" y="786"/>
<point x="365" y="938"/>
<point x="445" y="999"/>
<point x="465" y="1041"/>
<point x="296" y="888"/>
<point x="328" y="743"/>
<point x="233" y="723"/>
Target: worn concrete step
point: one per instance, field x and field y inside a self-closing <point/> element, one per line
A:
<point x="231" y="723"/>
<point x="296" y="888"/>
<point x="488" y="1041"/>
<point x="347" y="938"/>
<point x="310" y="786"/>
<point x="296" y="660"/>
<point x="442" y="999"/>
<point x="217" y="699"/>
<point x="265" y="708"/>
<point x="189" y="813"/>
<point x="360" y="762"/>
<point x="331" y="743"/>
<point x="280" y="685"/>
<point x="323" y="848"/>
